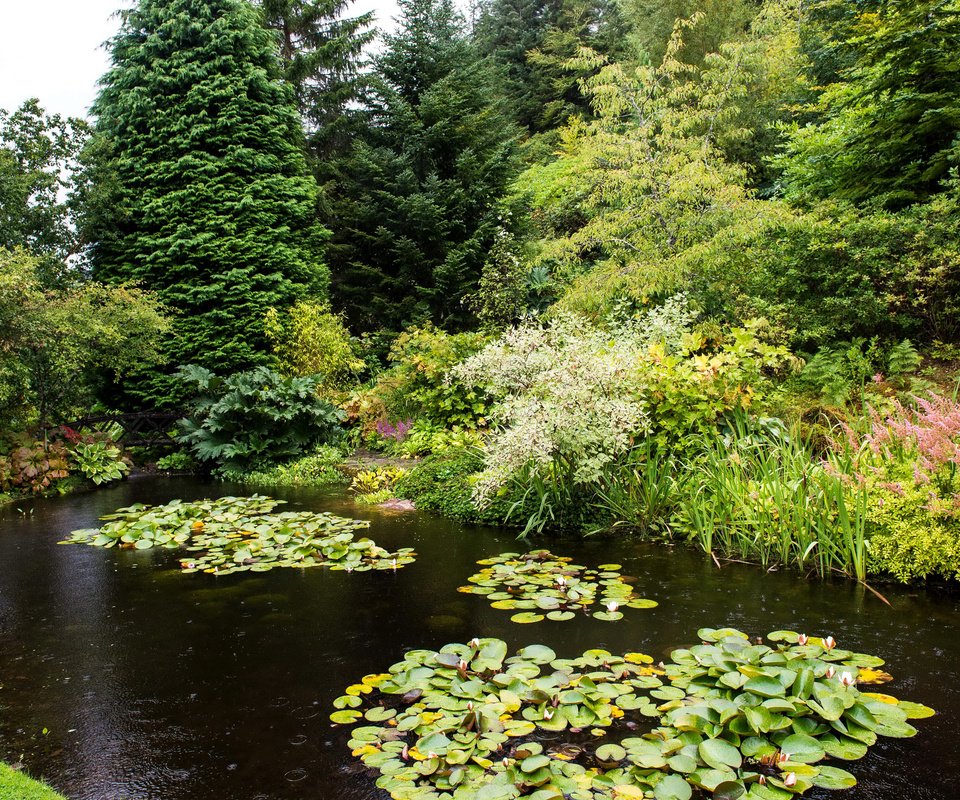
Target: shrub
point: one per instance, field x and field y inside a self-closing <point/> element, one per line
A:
<point x="100" y="462"/>
<point x="443" y="484"/>
<point x="376" y="485"/>
<point x="908" y="461"/>
<point x="180" y="461"/>
<point x="251" y="419"/>
<point x="318" y="469"/>
<point x="311" y="340"/>
<point x="32" y="465"/>
<point x="913" y="534"/>
<point x="577" y="397"/>
<point x="417" y="384"/>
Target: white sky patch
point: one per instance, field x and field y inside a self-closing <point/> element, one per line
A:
<point x="53" y="49"/>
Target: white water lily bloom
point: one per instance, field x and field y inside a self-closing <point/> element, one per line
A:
<point x="612" y="606"/>
<point x="847" y="679"/>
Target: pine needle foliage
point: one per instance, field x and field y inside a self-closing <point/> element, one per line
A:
<point x="198" y="186"/>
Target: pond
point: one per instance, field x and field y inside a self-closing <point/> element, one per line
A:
<point x="123" y="679"/>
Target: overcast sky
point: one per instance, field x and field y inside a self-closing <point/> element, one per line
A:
<point x="52" y="49"/>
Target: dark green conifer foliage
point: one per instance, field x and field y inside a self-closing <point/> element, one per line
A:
<point x="414" y="203"/>
<point x="198" y="183"/>
<point x="321" y="52"/>
<point x="530" y="43"/>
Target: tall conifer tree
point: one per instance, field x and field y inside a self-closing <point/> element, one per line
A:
<point x="320" y="52"/>
<point x="415" y="202"/>
<point x="199" y="187"/>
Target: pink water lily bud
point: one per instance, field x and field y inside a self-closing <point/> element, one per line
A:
<point x="831" y="672"/>
<point x="762" y="780"/>
<point x="829" y="643"/>
<point x="474" y="643"/>
<point x="431" y="754"/>
<point x="803" y="639"/>
<point x="462" y="666"/>
<point x="790" y="779"/>
<point x="783" y="757"/>
<point x="470" y="706"/>
<point x="847" y="679"/>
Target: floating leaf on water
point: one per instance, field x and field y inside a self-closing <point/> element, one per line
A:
<point x="239" y="534"/>
<point x="526" y="617"/>
<point x="542" y="581"/>
<point x="478" y="731"/>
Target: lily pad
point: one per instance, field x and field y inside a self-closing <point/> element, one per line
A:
<point x="240" y="534"/>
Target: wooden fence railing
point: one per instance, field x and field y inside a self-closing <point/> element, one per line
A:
<point x="139" y="429"/>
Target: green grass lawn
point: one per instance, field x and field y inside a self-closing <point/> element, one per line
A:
<point x="17" y="786"/>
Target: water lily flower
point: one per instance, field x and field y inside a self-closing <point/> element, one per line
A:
<point x="394" y="563"/>
<point x="762" y="780"/>
<point x="802" y="639"/>
<point x="612" y="606"/>
<point x="847" y="679"/>
<point x="431" y="754"/>
<point x="790" y="779"/>
<point x="831" y="671"/>
<point x="470" y="706"/>
<point x="462" y="666"/>
<point x="561" y="580"/>
<point x="829" y="643"/>
<point x="474" y="643"/>
<point x="783" y="757"/>
<point x="548" y="714"/>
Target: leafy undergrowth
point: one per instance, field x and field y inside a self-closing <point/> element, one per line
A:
<point x="727" y="718"/>
<point x="17" y="786"/>
<point x="239" y="534"/>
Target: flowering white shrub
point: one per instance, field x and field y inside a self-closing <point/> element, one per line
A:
<point x="570" y="404"/>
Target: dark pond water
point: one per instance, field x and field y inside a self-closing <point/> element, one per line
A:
<point x="152" y="685"/>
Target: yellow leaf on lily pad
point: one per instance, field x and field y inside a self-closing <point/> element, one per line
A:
<point x="638" y="658"/>
<point x="358" y="689"/>
<point x="627" y="791"/>
<point x="366" y="750"/>
<point x="889" y="699"/>
<point x="873" y="676"/>
<point x="375" y="680"/>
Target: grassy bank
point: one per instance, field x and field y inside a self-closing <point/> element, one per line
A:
<point x="18" y="786"/>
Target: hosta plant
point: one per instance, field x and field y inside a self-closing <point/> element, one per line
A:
<point x="539" y="584"/>
<point x="100" y="462"/>
<point x="728" y="718"/>
<point x="239" y="534"/>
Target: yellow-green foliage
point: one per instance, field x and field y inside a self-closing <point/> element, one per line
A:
<point x="17" y="786"/>
<point x="376" y="485"/>
<point x="311" y="340"/>
<point x="913" y="534"/>
<point x="418" y="385"/>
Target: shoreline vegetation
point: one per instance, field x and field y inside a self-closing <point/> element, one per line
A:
<point x="16" y="785"/>
<point x="667" y="269"/>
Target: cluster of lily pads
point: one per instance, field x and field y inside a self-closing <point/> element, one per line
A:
<point x="542" y="585"/>
<point x="238" y="534"/>
<point x="729" y="718"/>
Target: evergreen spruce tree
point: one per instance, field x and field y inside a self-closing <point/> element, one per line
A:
<point x="320" y="52"/>
<point x="531" y="43"/>
<point x="415" y="201"/>
<point x="198" y="187"/>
